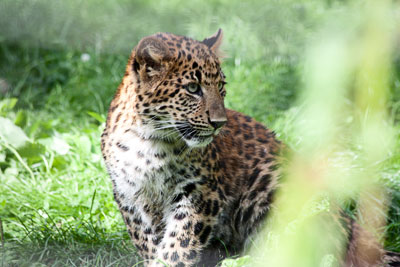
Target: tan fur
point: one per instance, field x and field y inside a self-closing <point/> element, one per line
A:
<point x="191" y="178"/>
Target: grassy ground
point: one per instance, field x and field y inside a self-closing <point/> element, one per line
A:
<point x="58" y="74"/>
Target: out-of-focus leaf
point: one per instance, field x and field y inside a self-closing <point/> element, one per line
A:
<point x="11" y="171"/>
<point x="2" y="157"/>
<point x="56" y="144"/>
<point x="59" y="162"/>
<point x="239" y="262"/>
<point x="3" y="203"/>
<point x="11" y="133"/>
<point x="32" y="152"/>
<point x="84" y="144"/>
<point x="7" y="104"/>
<point x="21" y="118"/>
<point x="42" y="129"/>
<point x="100" y="118"/>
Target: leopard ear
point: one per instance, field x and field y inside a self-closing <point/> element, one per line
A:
<point x="151" y="57"/>
<point x="213" y="42"/>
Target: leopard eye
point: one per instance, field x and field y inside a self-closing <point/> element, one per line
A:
<point x="194" y="88"/>
<point x="221" y="85"/>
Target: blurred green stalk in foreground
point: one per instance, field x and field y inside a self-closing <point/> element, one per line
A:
<point x="345" y="134"/>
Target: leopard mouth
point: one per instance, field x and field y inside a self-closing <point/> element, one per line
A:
<point x="195" y="137"/>
<point x="187" y="132"/>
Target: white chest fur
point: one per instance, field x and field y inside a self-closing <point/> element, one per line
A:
<point x="145" y="170"/>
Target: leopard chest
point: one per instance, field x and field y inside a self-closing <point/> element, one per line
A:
<point x="148" y="172"/>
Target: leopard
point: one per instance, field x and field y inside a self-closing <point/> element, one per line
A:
<point x="191" y="178"/>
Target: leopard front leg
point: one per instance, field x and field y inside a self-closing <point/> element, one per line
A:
<point x="144" y="230"/>
<point x="188" y="230"/>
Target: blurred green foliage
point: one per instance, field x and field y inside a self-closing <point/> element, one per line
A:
<point x="60" y="64"/>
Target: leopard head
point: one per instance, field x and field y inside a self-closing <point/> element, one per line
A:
<point x="179" y="88"/>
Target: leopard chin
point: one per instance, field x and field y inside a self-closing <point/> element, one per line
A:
<point x="198" y="142"/>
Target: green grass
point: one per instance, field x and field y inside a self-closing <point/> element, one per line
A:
<point x="56" y="203"/>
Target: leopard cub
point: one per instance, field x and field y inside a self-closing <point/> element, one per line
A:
<point x="188" y="174"/>
<point x="191" y="178"/>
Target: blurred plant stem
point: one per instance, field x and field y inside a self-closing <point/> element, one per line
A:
<point x="2" y="241"/>
<point x="375" y="134"/>
<point x="344" y="116"/>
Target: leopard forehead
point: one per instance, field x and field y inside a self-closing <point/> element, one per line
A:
<point x="186" y="46"/>
<point x="190" y="54"/>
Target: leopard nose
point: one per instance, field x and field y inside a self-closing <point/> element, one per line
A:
<point x="217" y="124"/>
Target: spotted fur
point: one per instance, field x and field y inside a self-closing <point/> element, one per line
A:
<point x="188" y="175"/>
